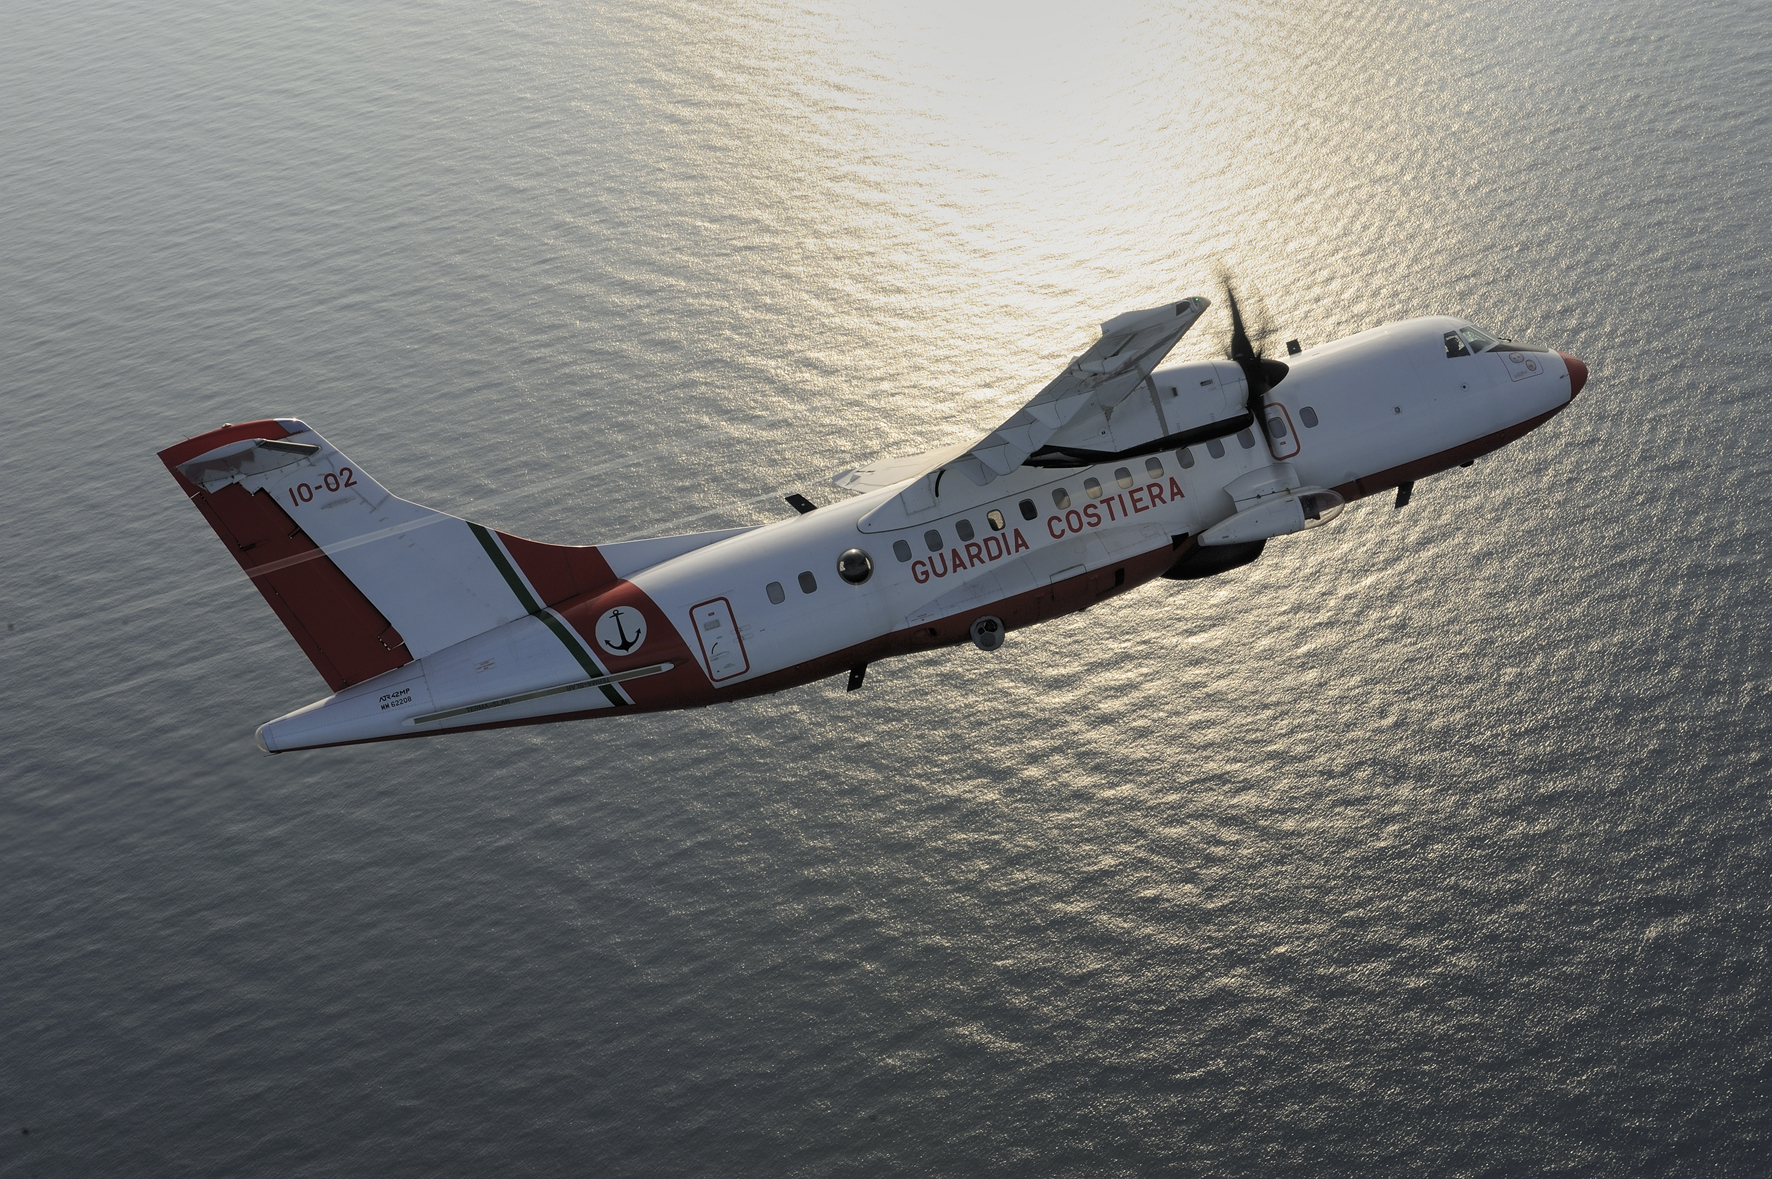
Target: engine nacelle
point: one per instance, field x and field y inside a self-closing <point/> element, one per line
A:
<point x="1277" y="515"/>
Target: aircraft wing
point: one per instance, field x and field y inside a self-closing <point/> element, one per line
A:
<point x="1131" y="345"/>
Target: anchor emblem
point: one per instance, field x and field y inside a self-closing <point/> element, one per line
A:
<point x="612" y="630"/>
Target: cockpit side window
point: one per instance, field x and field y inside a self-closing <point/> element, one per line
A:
<point x="1478" y="340"/>
<point x="1469" y="341"/>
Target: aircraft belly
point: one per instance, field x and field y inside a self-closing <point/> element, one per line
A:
<point x="1024" y="557"/>
<point x="987" y="587"/>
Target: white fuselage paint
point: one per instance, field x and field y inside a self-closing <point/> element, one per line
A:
<point x="1380" y="399"/>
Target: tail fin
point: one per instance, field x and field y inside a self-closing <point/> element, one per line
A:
<point x="364" y="580"/>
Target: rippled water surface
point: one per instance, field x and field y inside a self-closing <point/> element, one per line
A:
<point x="1435" y="841"/>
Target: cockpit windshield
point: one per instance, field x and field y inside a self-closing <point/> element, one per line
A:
<point x="1469" y="341"/>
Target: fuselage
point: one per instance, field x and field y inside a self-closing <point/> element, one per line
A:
<point x="1361" y="415"/>
<point x="865" y="579"/>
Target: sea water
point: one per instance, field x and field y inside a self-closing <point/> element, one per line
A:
<point x="1435" y="841"/>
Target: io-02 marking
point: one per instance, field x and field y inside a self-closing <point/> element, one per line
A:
<point x="303" y="493"/>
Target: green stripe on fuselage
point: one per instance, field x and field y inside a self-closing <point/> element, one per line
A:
<point x="536" y="610"/>
<point x="503" y="563"/>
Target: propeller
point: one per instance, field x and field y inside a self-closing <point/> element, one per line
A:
<point x="1260" y="372"/>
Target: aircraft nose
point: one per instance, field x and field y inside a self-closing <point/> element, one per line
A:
<point x="1577" y="373"/>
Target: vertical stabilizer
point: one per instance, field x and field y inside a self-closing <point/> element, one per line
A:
<point x="368" y="582"/>
<point x="364" y="580"/>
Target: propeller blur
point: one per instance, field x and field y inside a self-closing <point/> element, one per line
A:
<point x="1121" y="470"/>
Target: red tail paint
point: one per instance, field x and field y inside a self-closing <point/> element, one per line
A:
<point x="338" y="629"/>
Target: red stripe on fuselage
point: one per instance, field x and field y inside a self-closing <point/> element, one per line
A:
<point x="685" y="685"/>
<point x="559" y="572"/>
<point x="577" y="582"/>
<point x="1018" y="611"/>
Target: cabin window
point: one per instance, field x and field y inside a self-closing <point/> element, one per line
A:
<point x="1185" y="457"/>
<point x="1246" y="439"/>
<point x="902" y="550"/>
<point x="1028" y="510"/>
<point x="1061" y="498"/>
<point x="964" y="528"/>
<point x="932" y="539"/>
<point x="996" y="520"/>
<point x="1276" y="424"/>
<point x="1092" y="485"/>
<point x="808" y="583"/>
<point x="775" y="592"/>
<point x="855" y="566"/>
<point x="1308" y="416"/>
<point x="1153" y="467"/>
<point x="1123" y="477"/>
<point x="1215" y="448"/>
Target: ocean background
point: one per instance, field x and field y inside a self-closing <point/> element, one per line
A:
<point x="1436" y="841"/>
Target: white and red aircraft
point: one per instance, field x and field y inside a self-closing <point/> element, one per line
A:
<point x="1118" y="472"/>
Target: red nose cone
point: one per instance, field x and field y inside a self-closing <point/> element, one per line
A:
<point x="1577" y="373"/>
